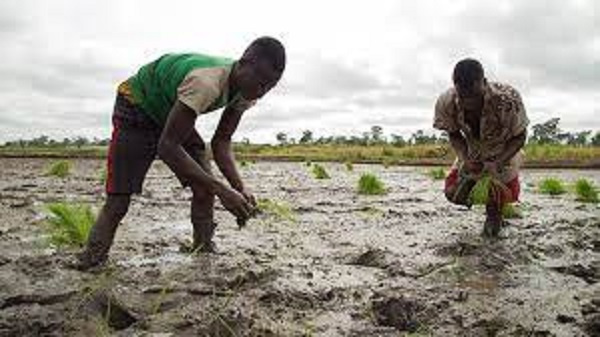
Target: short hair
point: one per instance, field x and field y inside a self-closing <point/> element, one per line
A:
<point x="466" y="73"/>
<point x="271" y="49"/>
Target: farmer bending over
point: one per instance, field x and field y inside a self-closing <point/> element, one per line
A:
<point x="487" y="126"/>
<point x="154" y="114"/>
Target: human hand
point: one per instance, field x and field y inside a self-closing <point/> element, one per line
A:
<point x="236" y="203"/>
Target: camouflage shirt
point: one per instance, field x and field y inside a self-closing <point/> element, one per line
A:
<point x="503" y="117"/>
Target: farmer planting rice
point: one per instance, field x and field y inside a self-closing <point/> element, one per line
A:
<point x="154" y="114"/>
<point x="487" y="126"/>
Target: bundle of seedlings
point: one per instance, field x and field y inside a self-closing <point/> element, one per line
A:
<point x="586" y="191"/>
<point x="61" y="169"/>
<point x="552" y="186"/>
<point x="488" y="189"/>
<point x="369" y="184"/>
<point x="319" y="172"/>
<point x="69" y="224"/>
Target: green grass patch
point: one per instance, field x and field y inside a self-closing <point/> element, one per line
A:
<point x="319" y="172"/>
<point x="60" y="168"/>
<point x="69" y="224"/>
<point x="277" y="209"/>
<point x="369" y="184"/>
<point x="437" y="173"/>
<point x="585" y="191"/>
<point x="552" y="186"/>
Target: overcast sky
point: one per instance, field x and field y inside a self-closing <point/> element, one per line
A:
<point x="351" y="64"/>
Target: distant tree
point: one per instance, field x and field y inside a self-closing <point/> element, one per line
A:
<point x="398" y="140"/>
<point x="547" y="132"/>
<point x="595" y="141"/>
<point x="281" y="138"/>
<point x="420" y="138"/>
<point x="576" y="138"/>
<point x="377" y="134"/>
<point x="80" y="141"/>
<point x="307" y="137"/>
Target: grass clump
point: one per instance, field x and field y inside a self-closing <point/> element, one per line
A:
<point x="586" y="191"/>
<point x="278" y="210"/>
<point x="349" y="166"/>
<point x="437" y="173"/>
<point x="60" y="168"/>
<point x="319" y="172"/>
<point x="369" y="184"/>
<point x="69" y="224"/>
<point x="244" y="163"/>
<point x="552" y="186"/>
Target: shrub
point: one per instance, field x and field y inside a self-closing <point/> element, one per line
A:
<point x="586" y="191"/>
<point x="61" y="168"/>
<point x="552" y="186"/>
<point x="319" y="172"/>
<point x="70" y="224"/>
<point x="369" y="184"/>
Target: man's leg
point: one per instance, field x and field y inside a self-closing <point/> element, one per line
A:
<point x="103" y="232"/>
<point x="203" y="202"/>
<point x="203" y="221"/>
<point x="494" y="217"/>
<point x="131" y="152"/>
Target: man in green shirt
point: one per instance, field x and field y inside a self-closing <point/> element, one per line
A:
<point x="155" y="113"/>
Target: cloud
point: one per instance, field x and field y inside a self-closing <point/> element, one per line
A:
<point x="384" y="64"/>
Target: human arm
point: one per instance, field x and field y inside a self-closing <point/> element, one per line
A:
<point x="178" y="127"/>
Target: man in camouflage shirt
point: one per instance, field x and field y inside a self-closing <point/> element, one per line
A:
<point x="487" y="127"/>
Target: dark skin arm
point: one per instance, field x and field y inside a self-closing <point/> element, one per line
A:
<point x="178" y="128"/>
<point x="223" y="152"/>
<point x="510" y="149"/>
<point x="459" y="144"/>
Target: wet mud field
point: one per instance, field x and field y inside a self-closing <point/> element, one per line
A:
<point x="337" y="264"/>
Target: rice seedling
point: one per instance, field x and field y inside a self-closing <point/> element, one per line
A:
<point x="510" y="211"/>
<point x="552" y="186"/>
<point x="319" y="172"/>
<point x="308" y="163"/>
<point x="61" y="168"/>
<point x="437" y="173"/>
<point x="279" y="210"/>
<point x="69" y="224"/>
<point x="586" y="191"/>
<point x="486" y="187"/>
<point x="369" y="184"/>
<point x="349" y="166"/>
<point x="387" y="162"/>
<point x="244" y="163"/>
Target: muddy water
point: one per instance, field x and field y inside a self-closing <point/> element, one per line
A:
<point x="346" y="265"/>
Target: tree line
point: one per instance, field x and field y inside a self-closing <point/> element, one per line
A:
<point x="546" y="133"/>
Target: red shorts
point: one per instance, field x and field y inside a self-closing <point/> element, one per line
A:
<point x="514" y="187"/>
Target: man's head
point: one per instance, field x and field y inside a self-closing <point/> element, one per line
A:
<point x="469" y="82"/>
<point x="259" y="68"/>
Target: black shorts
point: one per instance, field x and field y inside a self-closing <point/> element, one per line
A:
<point x="133" y="147"/>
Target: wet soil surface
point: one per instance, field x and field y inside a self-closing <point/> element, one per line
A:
<point x="407" y="263"/>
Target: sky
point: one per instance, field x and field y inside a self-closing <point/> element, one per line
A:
<point x="351" y="64"/>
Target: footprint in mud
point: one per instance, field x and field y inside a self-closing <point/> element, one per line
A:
<point x="589" y="273"/>
<point x="402" y="313"/>
<point x="372" y="257"/>
<point x="106" y="305"/>
<point x="591" y="317"/>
